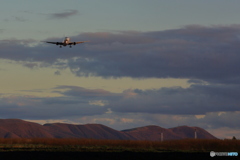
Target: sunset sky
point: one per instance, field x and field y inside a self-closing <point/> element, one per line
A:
<point x="157" y="62"/>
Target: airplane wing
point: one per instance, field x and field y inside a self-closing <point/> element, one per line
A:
<point x="74" y="43"/>
<point x="57" y="43"/>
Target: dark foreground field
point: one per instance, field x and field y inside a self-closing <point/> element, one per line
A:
<point x="114" y="149"/>
<point x="105" y="155"/>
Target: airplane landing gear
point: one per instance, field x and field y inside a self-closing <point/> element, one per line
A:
<point x="70" y="46"/>
<point x="60" y="46"/>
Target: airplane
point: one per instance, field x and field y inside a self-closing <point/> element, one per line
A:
<point x="66" y="42"/>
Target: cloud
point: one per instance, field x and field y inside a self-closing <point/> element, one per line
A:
<point x="57" y="73"/>
<point x="76" y="91"/>
<point x="29" y="107"/>
<point x="30" y="65"/>
<point x="63" y="15"/>
<point x="206" y="106"/>
<point x="15" y="18"/>
<point x="193" y="52"/>
<point x="225" y="132"/>
<point x="195" y="100"/>
<point x="20" y="19"/>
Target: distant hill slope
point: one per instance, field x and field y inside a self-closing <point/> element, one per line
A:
<point x="16" y="128"/>
<point x="188" y="132"/>
<point x="154" y="133"/>
<point x="94" y="131"/>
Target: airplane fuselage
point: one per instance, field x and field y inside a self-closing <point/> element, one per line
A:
<point x="66" y="41"/>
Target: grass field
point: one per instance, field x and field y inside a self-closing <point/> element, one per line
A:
<point x="92" y="145"/>
<point x="62" y="149"/>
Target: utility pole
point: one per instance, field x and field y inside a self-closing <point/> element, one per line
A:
<point x="195" y="134"/>
<point x="161" y="136"/>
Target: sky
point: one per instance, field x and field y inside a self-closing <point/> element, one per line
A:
<point x="157" y="62"/>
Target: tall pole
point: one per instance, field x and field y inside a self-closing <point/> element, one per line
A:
<point x="195" y="134"/>
<point x="161" y="136"/>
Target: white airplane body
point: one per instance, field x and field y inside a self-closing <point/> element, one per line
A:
<point x="66" y="42"/>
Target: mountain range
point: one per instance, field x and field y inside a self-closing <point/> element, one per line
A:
<point x="16" y="128"/>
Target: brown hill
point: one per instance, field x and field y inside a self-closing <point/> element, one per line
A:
<point x="95" y="131"/>
<point x="189" y="132"/>
<point x="152" y="133"/>
<point x="16" y="128"/>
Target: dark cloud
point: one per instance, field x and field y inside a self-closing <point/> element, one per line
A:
<point x="194" y="52"/>
<point x="211" y="120"/>
<point x="166" y="107"/>
<point x="15" y="18"/>
<point x="86" y="93"/>
<point x="195" y="100"/>
<point x="30" y="65"/>
<point x="19" y="19"/>
<point x="29" y="107"/>
<point x="198" y="99"/>
<point x="220" y="119"/>
<point x="63" y="15"/>
<point x="57" y="73"/>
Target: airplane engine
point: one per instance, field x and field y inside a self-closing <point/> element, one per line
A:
<point x="74" y="43"/>
<point x="57" y="44"/>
